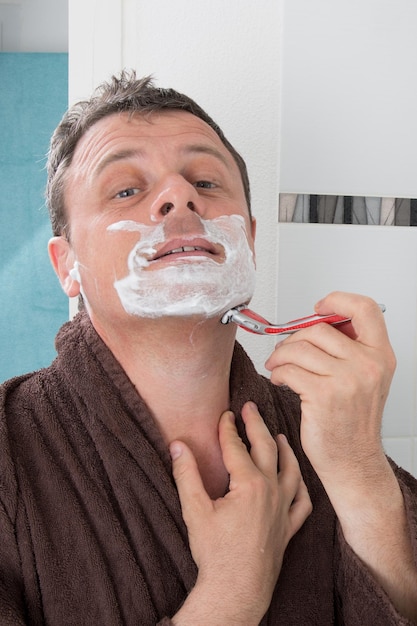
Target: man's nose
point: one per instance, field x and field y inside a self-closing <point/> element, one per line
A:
<point x="176" y="195"/>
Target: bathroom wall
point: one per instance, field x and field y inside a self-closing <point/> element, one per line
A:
<point x="33" y="96"/>
<point x="348" y="123"/>
<point x="34" y="25"/>
<point x="32" y="99"/>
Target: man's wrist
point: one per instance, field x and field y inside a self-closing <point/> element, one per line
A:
<point x="207" y="606"/>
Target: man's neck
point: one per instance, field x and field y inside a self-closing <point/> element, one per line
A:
<point x="181" y="368"/>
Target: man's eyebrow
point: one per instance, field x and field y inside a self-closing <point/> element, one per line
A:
<point x="123" y="155"/>
<point x="204" y="149"/>
<point x="113" y="157"/>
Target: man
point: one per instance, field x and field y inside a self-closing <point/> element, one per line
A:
<point x="150" y="475"/>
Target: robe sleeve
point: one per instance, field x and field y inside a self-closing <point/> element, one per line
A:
<point x="360" y="600"/>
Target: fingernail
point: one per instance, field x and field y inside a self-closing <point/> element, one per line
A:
<point x="175" y="450"/>
<point x="231" y="416"/>
<point x="252" y="405"/>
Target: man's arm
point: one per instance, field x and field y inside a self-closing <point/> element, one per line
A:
<point x="343" y="380"/>
<point x="238" y="541"/>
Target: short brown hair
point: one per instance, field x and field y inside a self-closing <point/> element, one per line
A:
<point x="123" y="93"/>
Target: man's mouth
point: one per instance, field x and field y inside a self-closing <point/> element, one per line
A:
<point x="194" y="248"/>
<point x="186" y="249"/>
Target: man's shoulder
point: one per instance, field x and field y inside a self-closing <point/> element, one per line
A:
<point x="24" y="396"/>
<point x="19" y="387"/>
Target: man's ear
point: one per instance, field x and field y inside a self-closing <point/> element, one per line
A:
<point x="62" y="259"/>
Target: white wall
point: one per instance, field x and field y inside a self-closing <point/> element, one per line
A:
<point x="349" y="123"/>
<point x="33" y="25"/>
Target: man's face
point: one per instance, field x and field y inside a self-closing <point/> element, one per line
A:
<point x="162" y="185"/>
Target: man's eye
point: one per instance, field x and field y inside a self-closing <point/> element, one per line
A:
<point x="126" y="193"/>
<point x="204" y="184"/>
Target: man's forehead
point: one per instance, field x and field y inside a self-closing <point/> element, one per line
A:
<point x="164" y="124"/>
<point x="124" y="133"/>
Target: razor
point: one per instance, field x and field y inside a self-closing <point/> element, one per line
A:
<point x="254" y="323"/>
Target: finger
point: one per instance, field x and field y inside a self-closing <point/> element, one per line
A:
<point x="314" y="350"/>
<point x="292" y="482"/>
<point x="264" y="451"/>
<point x="366" y="316"/>
<point x="236" y="457"/>
<point x="289" y="468"/>
<point x="301" y="507"/>
<point x="300" y="381"/>
<point x="191" y="491"/>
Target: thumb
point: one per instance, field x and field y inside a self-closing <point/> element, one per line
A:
<point x="188" y="479"/>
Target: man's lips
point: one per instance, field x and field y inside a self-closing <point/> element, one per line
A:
<point x="189" y="247"/>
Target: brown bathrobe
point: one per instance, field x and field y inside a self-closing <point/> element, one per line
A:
<point x="91" y="531"/>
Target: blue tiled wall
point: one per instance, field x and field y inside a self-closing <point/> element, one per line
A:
<point x="33" y="97"/>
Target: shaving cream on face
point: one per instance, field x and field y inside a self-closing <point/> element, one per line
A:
<point x="76" y="275"/>
<point x="197" y="285"/>
<point x="75" y="272"/>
